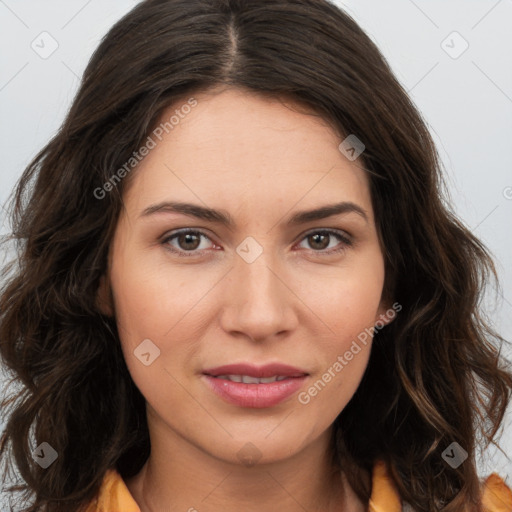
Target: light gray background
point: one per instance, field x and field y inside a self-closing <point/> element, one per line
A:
<point x="466" y="101"/>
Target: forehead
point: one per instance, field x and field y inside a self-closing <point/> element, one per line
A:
<point x="243" y="149"/>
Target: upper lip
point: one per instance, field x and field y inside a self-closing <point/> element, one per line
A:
<point x="251" y="370"/>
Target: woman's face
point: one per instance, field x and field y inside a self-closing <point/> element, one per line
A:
<point x="263" y="290"/>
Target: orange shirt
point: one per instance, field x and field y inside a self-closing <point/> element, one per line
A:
<point x="114" y="496"/>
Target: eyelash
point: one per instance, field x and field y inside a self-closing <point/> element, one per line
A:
<point x="187" y="254"/>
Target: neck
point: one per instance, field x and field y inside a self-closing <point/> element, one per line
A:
<point x="179" y="476"/>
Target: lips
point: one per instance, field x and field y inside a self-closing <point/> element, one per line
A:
<point x="246" y="385"/>
<point x="250" y="370"/>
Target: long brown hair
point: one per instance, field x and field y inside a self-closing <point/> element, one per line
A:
<point x="435" y="374"/>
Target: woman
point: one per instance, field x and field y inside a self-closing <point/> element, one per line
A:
<point x="255" y="369"/>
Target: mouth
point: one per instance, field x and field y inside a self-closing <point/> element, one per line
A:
<point x="246" y="385"/>
<point x="248" y="379"/>
<point x="248" y="370"/>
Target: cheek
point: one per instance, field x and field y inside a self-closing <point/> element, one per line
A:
<point x="160" y="305"/>
<point x="346" y="300"/>
<point x="151" y="298"/>
<point x="345" y="360"/>
<point x="347" y="307"/>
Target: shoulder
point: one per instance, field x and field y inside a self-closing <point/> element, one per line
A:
<point x="113" y="496"/>
<point x="496" y="495"/>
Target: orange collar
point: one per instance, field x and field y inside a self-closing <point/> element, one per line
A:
<point x="114" y="495"/>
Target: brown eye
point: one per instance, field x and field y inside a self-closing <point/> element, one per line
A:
<point x="187" y="241"/>
<point x="319" y="241"/>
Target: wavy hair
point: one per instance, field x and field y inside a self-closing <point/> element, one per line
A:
<point x="435" y="375"/>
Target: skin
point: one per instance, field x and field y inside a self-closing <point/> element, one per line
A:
<point x="261" y="161"/>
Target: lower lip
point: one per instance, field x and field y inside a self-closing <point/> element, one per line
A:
<point x="254" y="395"/>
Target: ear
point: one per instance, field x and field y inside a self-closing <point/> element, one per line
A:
<point x="104" y="299"/>
<point x="386" y="313"/>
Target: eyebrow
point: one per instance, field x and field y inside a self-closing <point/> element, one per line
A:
<point x="224" y="218"/>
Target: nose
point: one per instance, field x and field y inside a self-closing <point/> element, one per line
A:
<point x="258" y="299"/>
